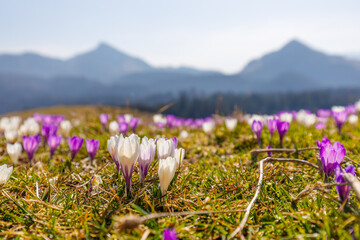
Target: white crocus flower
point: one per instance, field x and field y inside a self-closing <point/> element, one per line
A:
<point x="65" y="127"/>
<point x="14" y="151"/>
<point x="127" y="152"/>
<point x="5" y="173"/>
<point x="337" y="108"/>
<point x="208" y="126"/>
<point x="146" y="156"/>
<point x="231" y="123"/>
<point x="357" y="105"/>
<point x="128" y="117"/>
<point x="184" y="134"/>
<point x="179" y="155"/>
<point x="30" y="127"/>
<point x="353" y="119"/>
<point x="286" y="117"/>
<point x="165" y="148"/>
<point x="114" y="127"/>
<point x="167" y="169"/>
<point x="11" y="135"/>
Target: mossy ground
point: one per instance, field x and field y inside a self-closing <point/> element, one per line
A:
<point x="219" y="173"/>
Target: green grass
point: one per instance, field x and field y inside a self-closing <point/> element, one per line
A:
<point x="219" y="173"/>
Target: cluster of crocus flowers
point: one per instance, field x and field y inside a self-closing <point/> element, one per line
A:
<point x="125" y="151"/>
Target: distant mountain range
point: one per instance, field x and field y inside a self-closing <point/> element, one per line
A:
<point x="106" y="75"/>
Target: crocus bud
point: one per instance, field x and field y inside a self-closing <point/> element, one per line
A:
<point x="175" y="141"/>
<point x="271" y="125"/>
<point x="11" y="135"/>
<point x="31" y="144"/>
<point x="167" y="169"/>
<point x="179" y="155"/>
<point x="65" y="127"/>
<point x="340" y="118"/>
<point x="282" y="127"/>
<point x="92" y="147"/>
<point x="14" y="151"/>
<point x="208" y="126"/>
<point x="169" y="234"/>
<point x="48" y="130"/>
<point x="123" y="127"/>
<point x="165" y="148"/>
<point x="146" y="156"/>
<point x="113" y="128"/>
<point x="134" y="123"/>
<point x="343" y="191"/>
<point x="5" y="173"/>
<point x="111" y="147"/>
<point x="53" y="142"/>
<point x="230" y="123"/>
<point x="257" y="129"/>
<point x="104" y="118"/>
<point x="127" y="153"/>
<point x="75" y="144"/>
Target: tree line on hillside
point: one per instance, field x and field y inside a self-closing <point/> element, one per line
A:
<point x="201" y="106"/>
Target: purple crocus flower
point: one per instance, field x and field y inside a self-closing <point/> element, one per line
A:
<point x="104" y="118"/>
<point x="351" y="109"/>
<point x="31" y="144"/>
<point x="169" y="234"/>
<point x="269" y="153"/>
<point x="53" y="142"/>
<point x="146" y="156"/>
<point x="121" y="119"/>
<point x="48" y="130"/>
<point x="58" y="119"/>
<point x="340" y="118"/>
<point x="123" y="127"/>
<point x="343" y="191"/>
<point x="325" y="141"/>
<point x="323" y="113"/>
<point x="257" y="129"/>
<point x="331" y="156"/>
<point x="282" y="128"/>
<point x="134" y="123"/>
<point x="320" y="125"/>
<point x="38" y="117"/>
<point x="169" y="120"/>
<point x="160" y="125"/>
<point x="271" y="125"/>
<point x="75" y="144"/>
<point x="175" y="141"/>
<point x="92" y="146"/>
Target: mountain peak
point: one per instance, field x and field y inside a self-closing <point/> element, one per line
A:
<point x="102" y="46"/>
<point x="295" y="45"/>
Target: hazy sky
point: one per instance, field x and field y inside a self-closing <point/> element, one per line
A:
<point x="222" y="35"/>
